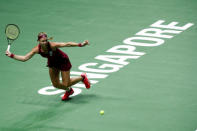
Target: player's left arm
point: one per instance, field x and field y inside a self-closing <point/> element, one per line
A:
<point x="69" y="44"/>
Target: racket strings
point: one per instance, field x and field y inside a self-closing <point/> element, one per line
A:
<point x="12" y="32"/>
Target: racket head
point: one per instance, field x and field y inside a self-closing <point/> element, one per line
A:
<point x="12" y="31"/>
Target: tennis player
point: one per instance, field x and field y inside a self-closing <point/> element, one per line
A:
<point x="58" y="62"/>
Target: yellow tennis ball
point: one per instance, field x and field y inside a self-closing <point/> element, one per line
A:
<point x="102" y="112"/>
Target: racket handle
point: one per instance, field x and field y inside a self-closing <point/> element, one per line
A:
<point x="8" y="49"/>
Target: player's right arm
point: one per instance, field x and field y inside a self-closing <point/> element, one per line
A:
<point x="25" y="57"/>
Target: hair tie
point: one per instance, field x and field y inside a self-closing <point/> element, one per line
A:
<point x="42" y="36"/>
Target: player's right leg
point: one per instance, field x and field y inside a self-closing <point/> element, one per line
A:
<point x="55" y="79"/>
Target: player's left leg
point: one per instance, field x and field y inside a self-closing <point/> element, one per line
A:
<point x="68" y="82"/>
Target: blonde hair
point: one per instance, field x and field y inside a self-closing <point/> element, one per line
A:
<point x="43" y="34"/>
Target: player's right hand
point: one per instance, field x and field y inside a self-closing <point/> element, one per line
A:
<point x="8" y="53"/>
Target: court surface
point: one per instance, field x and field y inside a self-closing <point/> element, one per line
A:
<point x="154" y="92"/>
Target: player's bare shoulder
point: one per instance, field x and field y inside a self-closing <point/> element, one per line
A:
<point x="35" y="50"/>
<point x="53" y="45"/>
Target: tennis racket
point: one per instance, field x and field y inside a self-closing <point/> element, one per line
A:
<point x="12" y="32"/>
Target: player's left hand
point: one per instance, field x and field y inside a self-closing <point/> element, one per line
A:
<point x="86" y="42"/>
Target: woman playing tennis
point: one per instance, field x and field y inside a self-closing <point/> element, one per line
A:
<point x="58" y="62"/>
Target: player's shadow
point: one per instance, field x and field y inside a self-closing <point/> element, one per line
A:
<point x="35" y="120"/>
<point x="82" y="99"/>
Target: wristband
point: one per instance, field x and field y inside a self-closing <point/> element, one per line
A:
<point x="12" y="56"/>
<point x="80" y="45"/>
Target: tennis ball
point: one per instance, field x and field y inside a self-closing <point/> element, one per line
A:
<point x="101" y="112"/>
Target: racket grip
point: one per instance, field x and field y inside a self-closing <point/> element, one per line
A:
<point x="8" y="49"/>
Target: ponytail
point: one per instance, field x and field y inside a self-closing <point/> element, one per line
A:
<point x="50" y="38"/>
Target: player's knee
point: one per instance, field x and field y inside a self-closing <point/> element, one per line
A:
<point x="66" y="84"/>
<point x="55" y="84"/>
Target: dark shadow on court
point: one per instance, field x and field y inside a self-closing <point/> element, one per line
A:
<point x="82" y="99"/>
<point x="37" y="120"/>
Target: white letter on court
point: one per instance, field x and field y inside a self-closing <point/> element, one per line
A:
<point x="171" y="25"/>
<point x="156" y="41"/>
<point x="110" y="68"/>
<point x="125" y="49"/>
<point x="118" y="59"/>
<point x="153" y="32"/>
